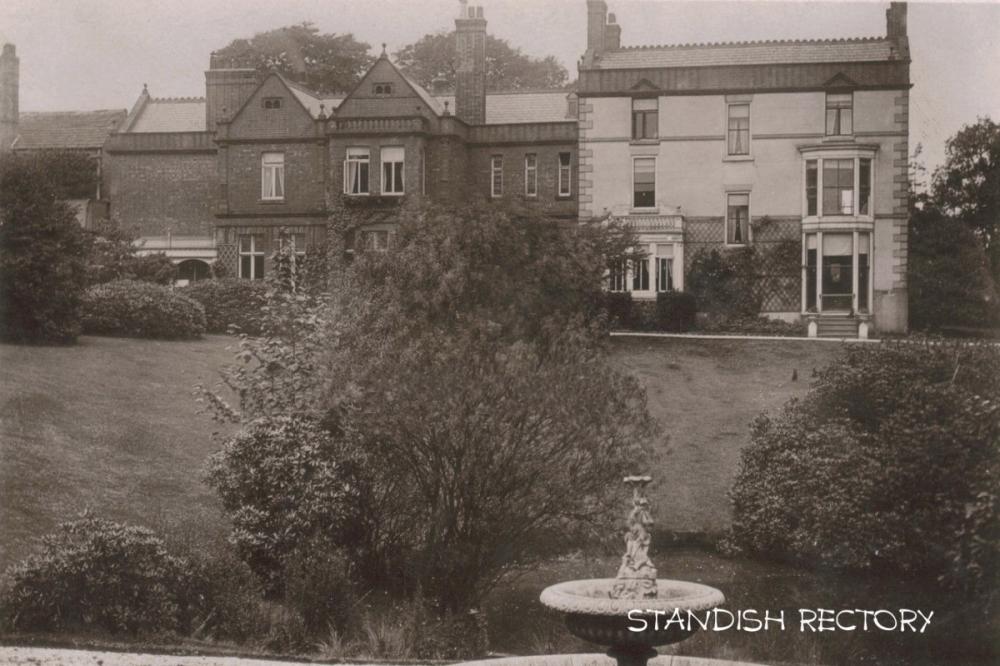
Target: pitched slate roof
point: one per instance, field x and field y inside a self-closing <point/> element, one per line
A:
<point x="66" y="129"/>
<point x="170" y="114"/>
<point x="312" y="100"/>
<point x="864" y="49"/>
<point x="530" y="106"/>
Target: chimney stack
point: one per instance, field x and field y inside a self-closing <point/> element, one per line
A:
<point x="228" y="84"/>
<point x="597" y="17"/>
<point x="895" y="29"/>
<point x="470" y="59"/>
<point x="612" y="34"/>
<point x="9" y="88"/>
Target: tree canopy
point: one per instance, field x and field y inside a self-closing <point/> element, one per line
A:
<point x="432" y="58"/>
<point x="323" y="62"/>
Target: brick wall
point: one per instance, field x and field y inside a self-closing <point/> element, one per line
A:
<point x="304" y="184"/>
<point x="547" y="199"/>
<point x="159" y="192"/>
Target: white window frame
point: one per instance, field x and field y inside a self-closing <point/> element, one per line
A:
<point x="632" y="205"/>
<point x="253" y="253"/>
<point x="376" y="240"/>
<point x="729" y="108"/>
<point x="300" y="252"/>
<point x="852" y="154"/>
<point x="747" y="240"/>
<point x="661" y="288"/>
<point x="496" y="170"/>
<point x="272" y="173"/>
<point x="531" y="175"/>
<point x="357" y="157"/>
<point x="392" y="191"/>
<point x="565" y="174"/>
<point x="840" y="118"/>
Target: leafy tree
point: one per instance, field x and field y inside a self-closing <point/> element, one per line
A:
<point x="967" y="186"/>
<point x="72" y="174"/>
<point x="43" y="255"/>
<point x="325" y="63"/>
<point x="458" y="381"/>
<point x="432" y="58"/>
<point x="114" y="255"/>
<point x="949" y="276"/>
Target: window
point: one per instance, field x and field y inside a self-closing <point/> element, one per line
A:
<point x="739" y="129"/>
<point x="644" y="182"/>
<point x="664" y="267"/>
<point x="640" y="275"/>
<point x="737" y="219"/>
<point x="496" y="176"/>
<point x="811" y="187"/>
<point x="616" y="275"/>
<point x="531" y="175"/>
<point x="251" y="251"/>
<point x="272" y="102"/>
<point x="356" y="170"/>
<point x="839" y="114"/>
<point x="645" y="116"/>
<point x="565" y="175"/>
<point x="837" y="274"/>
<point x="375" y="241"/>
<point x="864" y="186"/>
<point x="381" y="89"/>
<point x="838" y="187"/>
<point x="297" y="241"/>
<point x="272" y="176"/>
<point x="392" y="170"/>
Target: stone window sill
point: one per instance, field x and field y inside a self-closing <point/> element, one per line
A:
<point x="738" y="158"/>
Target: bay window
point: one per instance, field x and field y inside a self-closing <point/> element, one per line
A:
<point x="837" y="271"/>
<point x="840" y="185"/>
<point x="664" y="267"/>
<point x="356" y="171"/>
<point x="392" y="158"/>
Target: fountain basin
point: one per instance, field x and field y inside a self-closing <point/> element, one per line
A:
<point x="593" y="615"/>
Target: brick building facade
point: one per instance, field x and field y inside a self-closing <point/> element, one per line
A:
<point x="795" y="148"/>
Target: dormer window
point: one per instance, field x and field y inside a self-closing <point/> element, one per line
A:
<point x="272" y="102"/>
<point x="839" y="114"/>
<point x="381" y="89"/>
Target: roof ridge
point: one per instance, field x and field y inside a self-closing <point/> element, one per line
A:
<point x="756" y="42"/>
<point x="39" y="113"/>
<point x="531" y="91"/>
<point x="177" y="99"/>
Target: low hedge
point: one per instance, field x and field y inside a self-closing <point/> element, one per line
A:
<point x="675" y="311"/>
<point x="142" y="310"/>
<point x="231" y="305"/>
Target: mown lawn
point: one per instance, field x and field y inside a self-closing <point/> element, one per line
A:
<point x="705" y="393"/>
<point x="111" y="425"/>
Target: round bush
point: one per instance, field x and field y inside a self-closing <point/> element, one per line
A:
<point x="100" y="574"/>
<point x="890" y="462"/>
<point x="142" y="310"/>
<point x="231" y="304"/>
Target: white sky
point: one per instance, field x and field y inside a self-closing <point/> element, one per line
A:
<point x="90" y="54"/>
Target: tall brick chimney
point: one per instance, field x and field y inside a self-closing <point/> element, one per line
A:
<point x="228" y="84"/>
<point x="612" y="34"/>
<point x="470" y="65"/>
<point x="597" y="18"/>
<point x="895" y="29"/>
<point x="9" y="90"/>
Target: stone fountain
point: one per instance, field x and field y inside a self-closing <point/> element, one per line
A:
<point x="597" y="610"/>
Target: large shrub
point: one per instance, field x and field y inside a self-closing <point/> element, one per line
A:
<point x="891" y="461"/>
<point x="453" y="372"/>
<point x="675" y="311"/>
<point x="724" y="282"/>
<point x="230" y="304"/>
<point x="142" y="310"/>
<point x="43" y="253"/>
<point x="99" y="574"/>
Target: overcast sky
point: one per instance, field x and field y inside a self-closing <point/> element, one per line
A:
<point x="91" y="54"/>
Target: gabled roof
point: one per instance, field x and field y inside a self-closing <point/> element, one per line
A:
<point x="312" y="100"/>
<point x="864" y="49"/>
<point x="529" y="106"/>
<point x="170" y="114"/>
<point x="66" y="130"/>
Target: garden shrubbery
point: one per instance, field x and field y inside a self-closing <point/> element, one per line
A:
<point x="675" y="311"/>
<point x="43" y="257"/>
<point x="142" y="310"/>
<point x="230" y="304"/>
<point x="99" y="574"/>
<point x="892" y="461"/>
